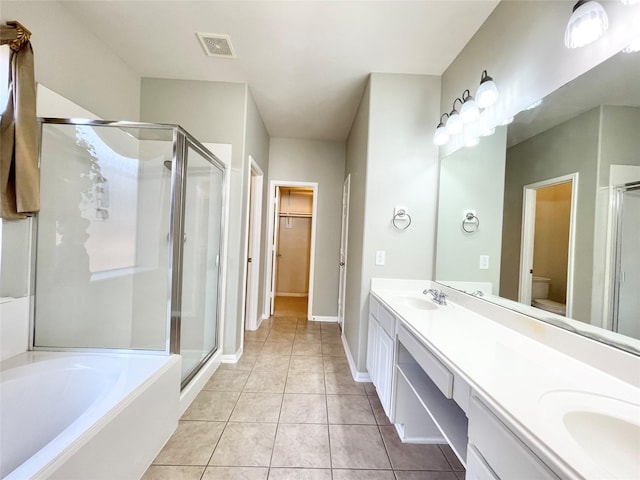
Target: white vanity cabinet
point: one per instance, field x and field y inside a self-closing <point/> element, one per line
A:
<point x="380" y="352"/>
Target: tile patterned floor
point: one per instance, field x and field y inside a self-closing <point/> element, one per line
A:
<point x="290" y="410"/>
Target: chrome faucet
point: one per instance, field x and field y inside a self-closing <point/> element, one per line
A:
<point x="438" y="296"/>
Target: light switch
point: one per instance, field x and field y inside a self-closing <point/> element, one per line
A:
<point x="380" y="257"/>
<point x="484" y="262"/>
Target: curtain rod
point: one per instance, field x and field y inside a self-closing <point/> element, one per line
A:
<point x="15" y="34"/>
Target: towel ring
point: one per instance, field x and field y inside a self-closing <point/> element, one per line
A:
<point x="472" y="222"/>
<point x="401" y="215"/>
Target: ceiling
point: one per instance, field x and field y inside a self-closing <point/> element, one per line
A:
<point x="306" y="62"/>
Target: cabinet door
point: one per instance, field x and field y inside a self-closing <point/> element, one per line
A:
<point x="372" y="347"/>
<point x="384" y="365"/>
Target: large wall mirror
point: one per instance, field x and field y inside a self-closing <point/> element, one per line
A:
<point x="543" y="217"/>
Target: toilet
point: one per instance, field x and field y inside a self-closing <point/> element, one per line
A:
<point x="539" y="294"/>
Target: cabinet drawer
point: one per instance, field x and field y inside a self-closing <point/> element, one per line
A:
<point x="373" y="306"/>
<point x="504" y="452"/>
<point x="387" y="321"/>
<point x="477" y="468"/>
<point x="438" y="373"/>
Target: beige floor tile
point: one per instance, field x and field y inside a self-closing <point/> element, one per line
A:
<point x="257" y="407"/>
<point x="288" y="328"/>
<point x="306" y="364"/>
<point x="281" y="336"/>
<point x="332" y="349"/>
<point x="266" y="381"/>
<point x="378" y="411"/>
<point x="252" y="347"/>
<point x="461" y="475"/>
<point x="211" y="405"/>
<point x="308" y="337"/>
<point x="336" y="364"/>
<point x="303" y="408"/>
<point x="329" y="327"/>
<point x="405" y="456"/>
<point x="307" y="327"/>
<point x="424" y="475"/>
<point x="363" y="475"/>
<point x="302" y="348"/>
<point x="245" y="445"/>
<point x="342" y="383"/>
<point x="305" y="383"/>
<point x="299" y="474"/>
<point x="350" y="410"/>
<point x="332" y="339"/>
<point x="171" y="472"/>
<point x="235" y="473"/>
<point x="227" y="381"/>
<point x="304" y="446"/>
<point x="191" y="444"/>
<point x="272" y="362"/>
<point x="246" y="362"/>
<point x="357" y="447"/>
<point x="452" y="458"/>
<point x="369" y="388"/>
<point x="259" y="335"/>
<point x="277" y="348"/>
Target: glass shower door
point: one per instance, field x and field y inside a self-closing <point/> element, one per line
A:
<point x="200" y="261"/>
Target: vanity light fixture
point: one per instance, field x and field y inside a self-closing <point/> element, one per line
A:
<point x="469" y="111"/>
<point x="535" y="104"/>
<point x="441" y="136"/>
<point x="487" y="93"/>
<point x="454" y="123"/>
<point x="471" y="141"/>
<point x="630" y="2"/>
<point x="507" y="121"/>
<point x="487" y="132"/>
<point x="587" y="23"/>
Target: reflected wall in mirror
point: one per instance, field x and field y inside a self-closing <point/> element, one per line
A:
<point x="557" y="194"/>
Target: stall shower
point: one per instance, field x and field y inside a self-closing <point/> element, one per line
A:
<point x="126" y="252"/>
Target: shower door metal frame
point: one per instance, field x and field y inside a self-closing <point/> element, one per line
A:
<point x="181" y="140"/>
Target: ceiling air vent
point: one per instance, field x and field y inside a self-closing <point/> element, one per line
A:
<point x="216" y="45"/>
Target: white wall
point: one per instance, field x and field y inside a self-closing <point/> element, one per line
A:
<point x="323" y="162"/>
<point x="401" y="170"/>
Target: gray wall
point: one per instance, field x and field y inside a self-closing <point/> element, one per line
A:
<point x="567" y="148"/>
<point x="323" y="162"/>
<point x="401" y="170"/>
<point x="471" y="178"/>
<point x="214" y="112"/>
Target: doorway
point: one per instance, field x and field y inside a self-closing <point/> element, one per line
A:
<point x="290" y="266"/>
<point x="254" y="205"/>
<point x="547" y="250"/>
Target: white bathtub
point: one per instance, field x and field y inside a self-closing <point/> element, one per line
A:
<point x="77" y="416"/>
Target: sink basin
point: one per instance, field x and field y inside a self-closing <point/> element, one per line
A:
<point x="604" y="429"/>
<point x="416" y="303"/>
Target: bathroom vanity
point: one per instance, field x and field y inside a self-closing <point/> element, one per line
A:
<point x="509" y="405"/>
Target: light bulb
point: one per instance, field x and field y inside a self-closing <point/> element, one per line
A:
<point x="454" y="124"/>
<point x="440" y="137"/>
<point x="487" y="93"/>
<point x="507" y="121"/>
<point x="469" y="111"/>
<point x="630" y="2"/>
<point x="488" y="132"/>
<point x="535" y="104"/>
<point x="634" y="46"/>
<point x="587" y="23"/>
<point x="471" y="141"/>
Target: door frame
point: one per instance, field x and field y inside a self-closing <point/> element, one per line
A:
<point x="344" y="244"/>
<point x="272" y="222"/>
<point x="528" y="235"/>
<point x="253" y="231"/>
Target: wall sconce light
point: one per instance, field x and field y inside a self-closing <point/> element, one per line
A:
<point x="441" y="136"/>
<point x="487" y="93"/>
<point x="454" y="123"/>
<point x="630" y="2"/>
<point x="587" y="23"/>
<point x="634" y="46"/>
<point x="469" y="111"/>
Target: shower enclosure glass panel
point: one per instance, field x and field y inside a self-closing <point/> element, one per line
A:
<point x="200" y="260"/>
<point x="101" y="239"/>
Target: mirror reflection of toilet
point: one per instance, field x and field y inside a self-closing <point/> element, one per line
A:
<point x="540" y="294"/>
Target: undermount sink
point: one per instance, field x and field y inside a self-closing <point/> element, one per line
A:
<point x="604" y="429"/>
<point x="415" y="302"/>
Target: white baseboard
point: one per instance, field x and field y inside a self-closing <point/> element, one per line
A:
<point x="189" y="393"/>
<point x="357" y="376"/>
<point x="317" y="318"/>
<point x="233" y="357"/>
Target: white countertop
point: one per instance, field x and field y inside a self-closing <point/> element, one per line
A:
<point x="515" y="375"/>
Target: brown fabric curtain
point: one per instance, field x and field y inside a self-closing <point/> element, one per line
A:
<point x="19" y="172"/>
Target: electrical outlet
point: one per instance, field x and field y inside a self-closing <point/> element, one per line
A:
<point x="380" y="257"/>
<point x="484" y="262"/>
